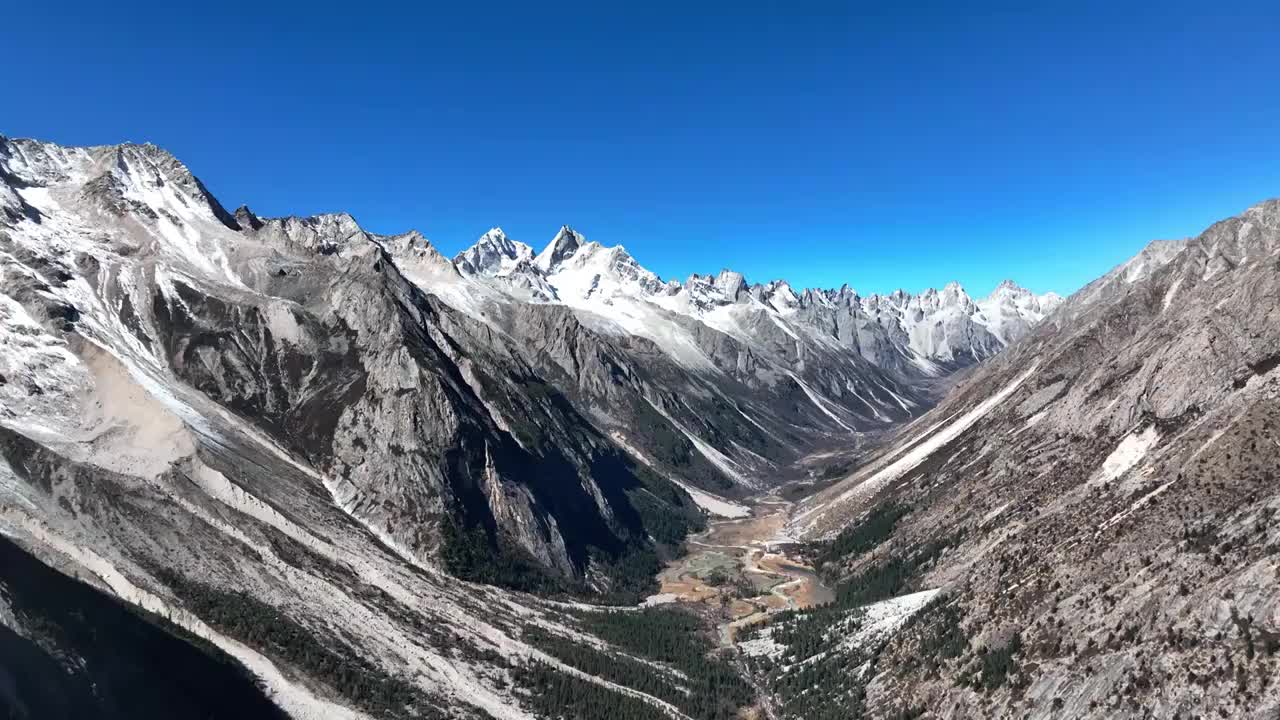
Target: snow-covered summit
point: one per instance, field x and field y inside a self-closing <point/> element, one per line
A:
<point x="493" y="254"/>
<point x="565" y="243"/>
<point x="1011" y="310"/>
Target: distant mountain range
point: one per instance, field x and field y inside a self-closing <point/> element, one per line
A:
<point x="934" y="331"/>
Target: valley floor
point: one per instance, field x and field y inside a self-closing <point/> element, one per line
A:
<point x="742" y="571"/>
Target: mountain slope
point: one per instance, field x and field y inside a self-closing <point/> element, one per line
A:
<point x="81" y="654"/>
<point x="1085" y="521"/>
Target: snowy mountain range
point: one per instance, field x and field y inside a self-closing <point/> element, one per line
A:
<point x="933" y="331"/>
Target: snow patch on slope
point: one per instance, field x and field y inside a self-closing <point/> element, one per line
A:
<point x="880" y="620"/>
<point x="1128" y="453"/>
<point x="42" y="376"/>
<point x="817" y="401"/>
<point x="714" y="456"/>
<point x="714" y="504"/>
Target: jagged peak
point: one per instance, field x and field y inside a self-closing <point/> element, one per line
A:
<point x="724" y="286"/>
<point x="409" y="238"/>
<point x="732" y="283"/>
<point x="247" y="219"/>
<point x="324" y="232"/>
<point x="149" y="165"/>
<point x="125" y="174"/>
<point x="619" y="252"/>
<point x="566" y="242"/>
<point x="147" y="150"/>
<point x="1021" y="300"/>
<point x="39" y="163"/>
<point x="615" y="256"/>
<point x="569" y="231"/>
<point x="340" y="219"/>
<point x="496" y="239"/>
<point x="145" y="172"/>
<point x="412" y="243"/>
<point x="415" y="255"/>
<point x="492" y="254"/>
<point x="780" y="291"/>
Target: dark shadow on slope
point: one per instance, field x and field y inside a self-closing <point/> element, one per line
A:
<point x="84" y="654"/>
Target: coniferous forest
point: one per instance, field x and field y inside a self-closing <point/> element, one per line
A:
<point x="667" y="653"/>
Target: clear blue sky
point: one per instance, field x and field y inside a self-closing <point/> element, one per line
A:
<point x="887" y="145"/>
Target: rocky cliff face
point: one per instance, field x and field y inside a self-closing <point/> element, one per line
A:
<point x="1082" y="529"/>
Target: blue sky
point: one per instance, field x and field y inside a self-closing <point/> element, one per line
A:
<point x="882" y="146"/>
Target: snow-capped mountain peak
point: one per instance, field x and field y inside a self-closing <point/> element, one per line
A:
<point x="731" y="284"/>
<point x="594" y="270"/>
<point x="1010" y="292"/>
<point x="564" y="244"/>
<point x="247" y="219"/>
<point x="493" y="254"/>
<point x="779" y="295"/>
<point x="953" y="295"/>
<point x="1010" y="310"/>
